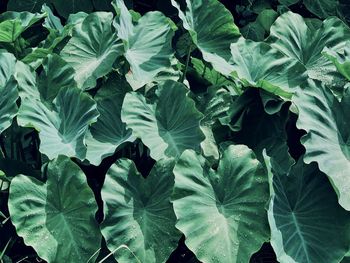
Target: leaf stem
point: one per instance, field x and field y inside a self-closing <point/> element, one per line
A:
<point x="187" y="63"/>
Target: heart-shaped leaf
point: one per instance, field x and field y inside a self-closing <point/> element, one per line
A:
<point x="147" y="45"/>
<point x="56" y="218"/>
<point x="222" y="213"/>
<point x="291" y="35"/>
<point x="109" y="132"/>
<point x="93" y="49"/>
<point x="138" y="213"/>
<point x="304" y="216"/>
<point x="62" y="126"/>
<point x="212" y="29"/>
<point x="260" y="65"/>
<point x="167" y="124"/>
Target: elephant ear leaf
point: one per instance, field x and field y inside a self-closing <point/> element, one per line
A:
<point x="138" y="212"/>
<point x="304" y="215"/>
<point x="92" y="49"/>
<point x="212" y="30"/>
<point x="222" y="213"/>
<point x="8" y="90"/>
<point x="109" y="132"/>
<point x="260" y="65"/>
<point x="147" y="45"/>
<point x="62" y="125"/>
<point x="56" y="218"/>
<point x="291" y="35"/>
<point x="167" y="124"/>
<point x="326" y="123"/>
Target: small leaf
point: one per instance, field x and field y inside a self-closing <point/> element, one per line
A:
<point x="212" y="29"/>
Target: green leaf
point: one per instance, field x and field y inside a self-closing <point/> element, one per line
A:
<point x="222" y="213"/>
<point x="10" y="30"/>
<point x="138" y="212"/>
<point x="8" y="90"/>
<point x="260" y="65"/>
<point x="73" y="6"/>
<point x="266" y="18"/>
<point x="93" y="49"/>
<point x="147" y="45"/>
<point x="56" y="74"/>
<point x="325" y="120"/>
<point x="28" y="5"/>
<point x="109" y="132"/>
<point x="13" y="24"/>
<point x="340" y="60"/>
<point x="56" y="218"/>
<point x="51" y="22"/>
<point x="212" y="29"/>
<point x="26" y="79"/>
<point x="304" y="216"/>
<point x="62" y="126"/>
<point x="210" y="74"/>
<point x="167" y="125"/>
<point x="291" y="35"/>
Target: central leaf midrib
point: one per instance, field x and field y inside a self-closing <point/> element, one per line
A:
<point x="299" y="233"/>
<point x="170" y="141"/>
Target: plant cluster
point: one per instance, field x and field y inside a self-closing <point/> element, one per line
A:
<point x="179" y="131"/>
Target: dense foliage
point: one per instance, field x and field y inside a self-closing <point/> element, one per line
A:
<point x="175" y="131"/>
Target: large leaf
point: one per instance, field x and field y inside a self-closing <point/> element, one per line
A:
<point x="138" y="212"/>
<point x="26" y="80"/>
<point x="56" y="74"/>
<point x="8" y="90"/>
<point x="65" y="8"/>
<point x="291" y="35"/>
<point x="109" y="132"/>
<point x="62" y="126"/>
<point x="212" y="29"/>
<point x="222" y="213"/>
<point x="93" y="49"/>
<point x="56" y="218"/>
<point x="326" y="122"/>
<point x="304" y="216"/>
<point x="13" y="24"/>
<point x="147" y="45"/>
<point x="167" y="124"/>
<point x="260" y="65"/>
